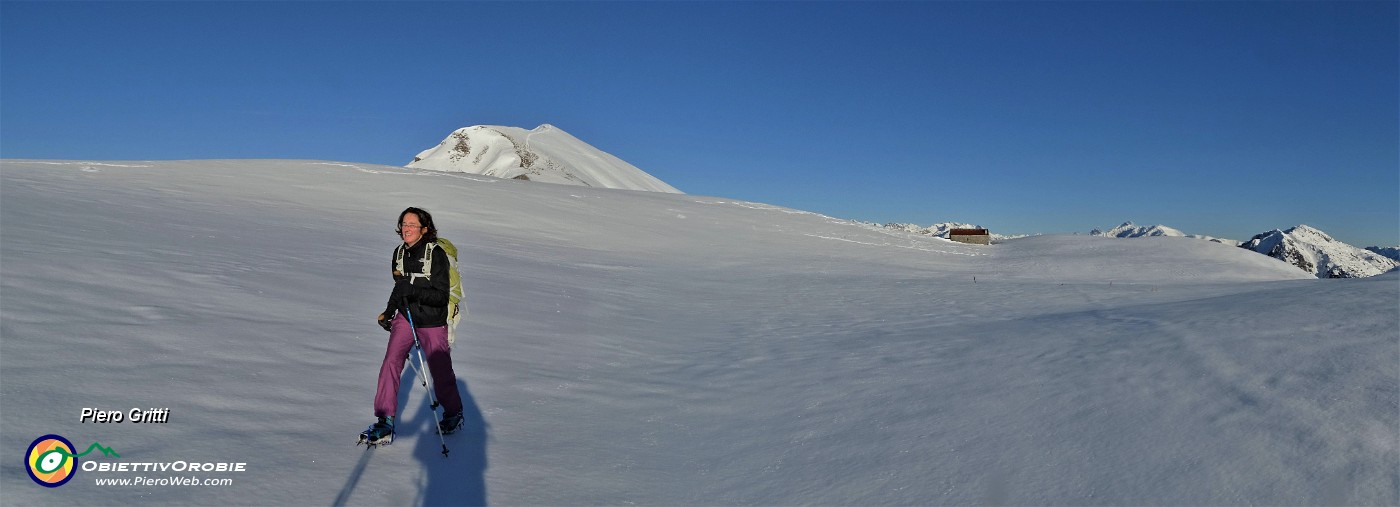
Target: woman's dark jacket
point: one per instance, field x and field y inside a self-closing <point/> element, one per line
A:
<point x="427" y="302"/>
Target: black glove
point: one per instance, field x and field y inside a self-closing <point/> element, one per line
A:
<point x="386" y="320"/>
<point x="403" y="289"/>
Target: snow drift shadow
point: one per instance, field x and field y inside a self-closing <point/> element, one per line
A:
<point x="459" y="479"/>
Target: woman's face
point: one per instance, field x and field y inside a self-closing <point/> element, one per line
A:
<point x="411" y="229"/>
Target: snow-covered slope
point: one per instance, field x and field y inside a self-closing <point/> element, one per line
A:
<point x="546" y="154"/>
<point x="1315" y="252"/>
<point x="665" y="349"/>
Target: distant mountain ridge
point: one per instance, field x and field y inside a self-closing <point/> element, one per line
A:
<point x="938" y="230"/>
<point x="1315" y="252"/>
<point x="941" y="230"/>
<point x="1130" y="230"/>
<point x="546" y="153"/>
<point x="1305" y="247"/>
<point x="1389" y="252"/>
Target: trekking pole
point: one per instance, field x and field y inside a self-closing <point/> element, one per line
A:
<point x="423" y="374"/>
<point x="433" y="403"/>
<point x="422" y="379"/>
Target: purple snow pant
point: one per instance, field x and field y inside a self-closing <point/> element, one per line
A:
<point x="434" y="341"/>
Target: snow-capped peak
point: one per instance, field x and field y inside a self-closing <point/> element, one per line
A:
<point x="546" y="153"/>
<point x="1130" y="230"/>
<point x="1315" y="252"/>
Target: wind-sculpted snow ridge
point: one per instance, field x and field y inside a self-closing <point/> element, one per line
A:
<point x="78" y="163"/>
<point x="1315" y="252"/>
<point x="546" y="154"/>
<point x="922" y="248"/>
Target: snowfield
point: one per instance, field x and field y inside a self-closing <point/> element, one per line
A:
<point x="651" y="348"/>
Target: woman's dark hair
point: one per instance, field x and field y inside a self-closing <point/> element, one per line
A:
<point x="424" y="218"/>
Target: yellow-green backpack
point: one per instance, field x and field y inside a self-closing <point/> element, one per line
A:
<point x="456" y="307"/>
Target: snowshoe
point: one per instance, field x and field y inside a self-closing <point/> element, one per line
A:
<point x="450" y="423"/>
<point x="379" y="433"/>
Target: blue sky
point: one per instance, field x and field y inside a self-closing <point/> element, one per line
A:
<point x="1218" y="118"/>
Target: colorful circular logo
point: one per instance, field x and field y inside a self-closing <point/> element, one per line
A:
<point x="50" y="461"/>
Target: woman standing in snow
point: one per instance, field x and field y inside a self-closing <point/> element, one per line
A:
<point x="424" y="297"/>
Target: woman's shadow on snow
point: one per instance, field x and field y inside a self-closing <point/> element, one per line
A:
<point x="460" y="477"/>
